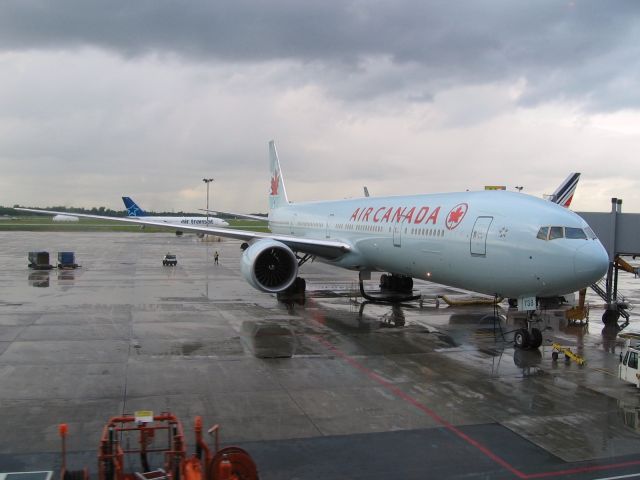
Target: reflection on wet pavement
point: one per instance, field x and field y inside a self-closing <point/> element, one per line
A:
<point x="126" y="333"/>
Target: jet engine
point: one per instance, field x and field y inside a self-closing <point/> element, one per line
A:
<point x="269" y="266"/>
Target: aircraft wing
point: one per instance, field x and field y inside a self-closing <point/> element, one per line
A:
<point x="323" y="248"/>
<point x="241" y="215"/>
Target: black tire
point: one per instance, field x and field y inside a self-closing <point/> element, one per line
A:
<point x="522" y="339"/>
<point x="554" y="356"/>
<point x="536" y="338"/>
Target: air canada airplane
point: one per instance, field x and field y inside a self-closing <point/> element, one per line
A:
<point x="501" y="243"/>
<point x="133" y="210"/>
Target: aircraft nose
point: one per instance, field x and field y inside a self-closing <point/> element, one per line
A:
<point x="591" y="261"/>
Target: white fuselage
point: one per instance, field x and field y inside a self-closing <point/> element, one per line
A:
<point x="482" y="241"/>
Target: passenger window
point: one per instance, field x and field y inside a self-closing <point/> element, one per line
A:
<point x="543" y="233"/>
<point x="633" y="360"/>
<point x="556" y="232"/>
<point x="575" y="233"/>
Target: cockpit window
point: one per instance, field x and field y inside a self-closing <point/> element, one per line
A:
<point x="556" y="232"/>
<point x="543" y="233"/>
<point x="572" y="233"/>
<point x="575" y="233"/>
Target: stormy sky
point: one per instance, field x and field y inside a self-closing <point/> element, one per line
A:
<point x="145" y="98"/>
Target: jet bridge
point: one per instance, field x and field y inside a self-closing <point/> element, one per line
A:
<point x="620" y="235"/>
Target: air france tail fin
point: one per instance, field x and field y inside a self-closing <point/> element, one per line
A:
<point x="564" y="193"/>
<point x="133" y="210"/>
<point x="277" y="191"/>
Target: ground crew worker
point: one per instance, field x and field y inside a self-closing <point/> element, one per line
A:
<point x="215" y="258"/>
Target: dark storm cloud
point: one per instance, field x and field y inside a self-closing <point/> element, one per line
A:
<point x="571" y="49"/>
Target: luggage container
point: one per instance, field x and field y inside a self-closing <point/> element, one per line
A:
<point x="67" y="260"/>
<point x="39" y="261"/>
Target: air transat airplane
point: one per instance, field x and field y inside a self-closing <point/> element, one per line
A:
<point x="133" y="210"/>
<point x="499" y="243"/>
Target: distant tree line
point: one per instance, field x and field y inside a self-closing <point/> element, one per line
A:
<point x="107" y="212"/>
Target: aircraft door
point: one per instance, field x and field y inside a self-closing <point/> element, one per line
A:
<point x="328" y="226"/>
<point x="479" y="235"/>
<point x="292" y="224"/>
<point x="397" y="233"/>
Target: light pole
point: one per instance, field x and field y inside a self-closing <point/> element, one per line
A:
<point x="207" y="181"/>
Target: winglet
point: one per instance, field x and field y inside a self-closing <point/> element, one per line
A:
<point x="277" y="190"/>
<point x="564" y="193"/>
<point x="133" y="210"/>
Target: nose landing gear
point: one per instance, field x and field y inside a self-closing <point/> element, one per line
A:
<point x="528" y="338"/>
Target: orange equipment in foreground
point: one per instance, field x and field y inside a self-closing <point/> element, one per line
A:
<point x="160" y="438"/>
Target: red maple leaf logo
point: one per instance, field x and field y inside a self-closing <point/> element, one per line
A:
<point x="275" y="182"/>
<point x="456" y="215"/>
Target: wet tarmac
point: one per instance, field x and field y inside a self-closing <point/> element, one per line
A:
<point x="332" y="388"/>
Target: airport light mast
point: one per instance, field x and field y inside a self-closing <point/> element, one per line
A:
<point x="207" y="181"/>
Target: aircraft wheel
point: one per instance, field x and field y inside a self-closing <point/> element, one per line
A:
<point x="521" y="339"/>
<point x="610" y="317"/>
<point x="536" y="338"/>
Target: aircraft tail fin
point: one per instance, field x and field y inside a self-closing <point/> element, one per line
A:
<point x="277" y="191"/>
<point x="133" y="210"/>
<point x="564" y="193"/>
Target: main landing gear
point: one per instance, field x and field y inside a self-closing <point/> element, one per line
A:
<point x="295" y="293"/>
<point x="393" y="288"/>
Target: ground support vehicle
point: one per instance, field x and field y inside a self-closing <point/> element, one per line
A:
<point x="159" y="452"/>
<point x="39" y="261"/>
<point x="568" y="354"/>
<point x="628" y="367"/>
<point x="170" y="260"/>
<point x="67" y="260"/>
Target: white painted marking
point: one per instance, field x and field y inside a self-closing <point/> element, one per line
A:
<point x="632" y="475"/>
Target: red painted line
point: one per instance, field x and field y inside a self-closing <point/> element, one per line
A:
<point x="456" y="431"/>
<point x="420" y="406"/>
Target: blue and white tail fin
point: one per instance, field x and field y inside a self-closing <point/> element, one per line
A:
<point x="133" y="210"/>
<point x="277" y="191"/>
<point x="564" y="193"/>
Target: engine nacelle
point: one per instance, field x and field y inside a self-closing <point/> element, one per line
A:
<point x="269" y="266"/>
